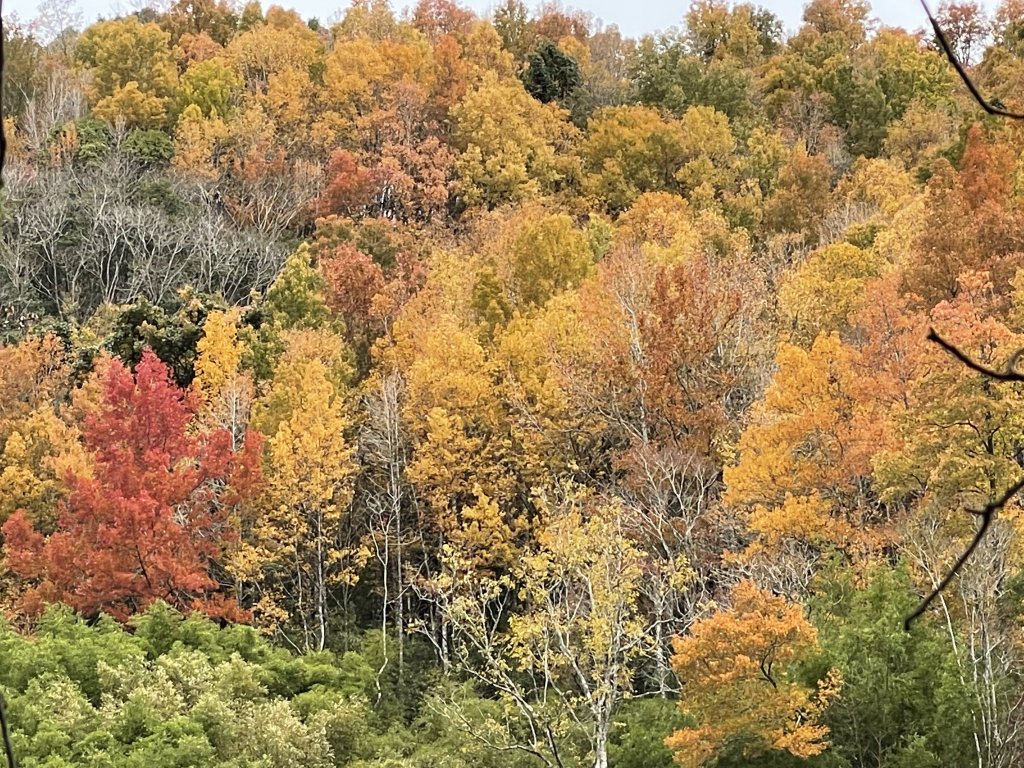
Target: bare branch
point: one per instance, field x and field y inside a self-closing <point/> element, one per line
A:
<point x="988" y="512"/>
<point x="8" y="747"/>
<point x="948" y="50"/>
<point x="1010" y="374"/>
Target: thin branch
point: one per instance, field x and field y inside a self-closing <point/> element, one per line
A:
<point x="8" y="746"/>
<point x="988" y="512"/>
<point x="3" y="158"/>
<point x="1009" y="374"/>
<point x="948" y="50"/>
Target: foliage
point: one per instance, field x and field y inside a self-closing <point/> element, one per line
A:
<point x="550" y="392"/>
<point x="551" y="74"/>
<point x="736" y="669"/>
<point x="148" y="524"/>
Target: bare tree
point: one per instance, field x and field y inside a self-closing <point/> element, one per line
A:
<point x="384" y="450"/>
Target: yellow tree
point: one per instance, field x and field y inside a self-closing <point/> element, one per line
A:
<point x="564" y="660"/>
<point x="630" y="150"/>
<point x="737" y="670"/>
<point x="132" y="71"/>
<point x="300" y="546"/>
<point x="820" y="294"/>
<point x="804" y="464"/>
<point x="195" y="137"/>
<point x="513" y="147"/>
<point x="271" y="48"/>
<point x="34" y="464"/>
<point x="225" y="391"/>
<point x="212" y="85"/>
<point x="461" y="461"/>
<point x="37" y="447"/>
<point x="537" y="255"/>
<point x="33" y="374"/>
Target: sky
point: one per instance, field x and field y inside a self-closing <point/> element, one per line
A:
<point x="634" y="18"/>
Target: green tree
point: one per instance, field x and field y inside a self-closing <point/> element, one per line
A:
<point x="903" y="701"/>
<point x="552" y="75"/>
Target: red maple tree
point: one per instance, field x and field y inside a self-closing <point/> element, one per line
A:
<point x="154" y="517"/>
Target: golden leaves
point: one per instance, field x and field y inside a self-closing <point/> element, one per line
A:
<point x="737" y="672"/>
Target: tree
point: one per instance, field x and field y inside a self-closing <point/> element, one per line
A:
<point x="210" y="17"/>
<point x="212" y="86"/>
<point x="22" y="61"/>
<point x="822" y="292"/>
<point x="224" y="392"/>
<point x="436" y="18"/>
<point x="349" y="189"/>
<point x="987" y="239"/>
<point x="462" y="461"/>
<point x="36" y="459"/>
<point x="152" y="520"/>
<point x="804" y="463"/>
<point x="738" y="672"/>
<point x="801" y="195"/>
<point x="552" y="75"/>
<point x="630" y="150"/>
<point x="903" y="701"/>
<point x="179" y="691"/>
<point x="133" y="74"/>
<point x="510" y="145"/>
<point x="545" y="258"/>
<point x="301" y="543"/>
<point x="743" y="33"/>
<point x="565" y="660"/>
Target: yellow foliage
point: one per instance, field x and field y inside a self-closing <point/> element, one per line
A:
<point x="663" y="226"/>
<point x="218" y="354"/>
<point x="820" y="294"/>
<point x="513" y="147"/>
<point x="34" y="465"/>
<point x="225" y="393"/>
<point x="804" y="458"/>
<point x="137" y="108"/>
<point x="194" y="139"/>
<point x="735" y="667"/>
<point x="299" y="545"/>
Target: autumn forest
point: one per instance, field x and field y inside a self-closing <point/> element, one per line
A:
<point x="414" y="388"/>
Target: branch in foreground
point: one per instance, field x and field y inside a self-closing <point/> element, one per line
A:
<point x="5" y="731"/>
<point x="948" y="50"/>
<point x="988" y="512"/>
<point x="1010" y="374"/>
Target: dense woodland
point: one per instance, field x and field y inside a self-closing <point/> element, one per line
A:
<point x="413" y="389"/>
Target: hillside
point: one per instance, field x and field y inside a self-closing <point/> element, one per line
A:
<point x="423" y="389"/>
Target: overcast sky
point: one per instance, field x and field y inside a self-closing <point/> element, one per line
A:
<point x="633" y="18"/>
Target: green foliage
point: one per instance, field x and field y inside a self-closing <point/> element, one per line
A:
<point x="92" y="141"/>
<point x="149" y="148"/>
<point x="664" y="74"/>
<point x="691" y="274"/>
<point x="294" y="302"/>
<point x="638" y="736"/>
<point x="902" y="702"/>
<point x="552" y="75"/>
<point x="179" y="692"/>
<point x="22" y="68"/>
<point x="171" y="333"/>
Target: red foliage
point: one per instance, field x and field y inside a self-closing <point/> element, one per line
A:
<point x="350" y="188"/>
<point x="353" y="279"/>
<point x="152" y="521"/>
<point x="435" y="18"/>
